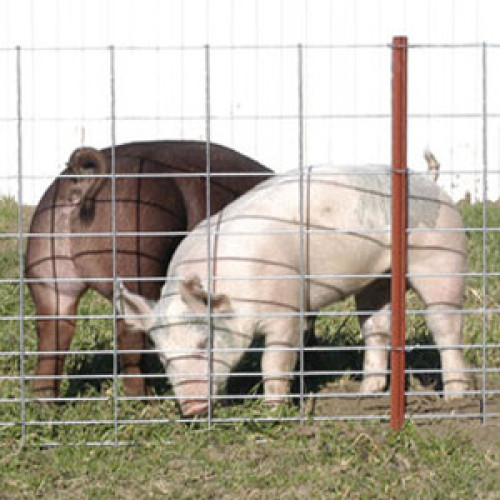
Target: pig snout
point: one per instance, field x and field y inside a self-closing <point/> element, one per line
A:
<point x="192" y="398"/>
<point x="189" y="378"/>
<point x="194" y="408"/>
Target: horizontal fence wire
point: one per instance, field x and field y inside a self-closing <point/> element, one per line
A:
<point x="244" y="117"/>
<point x="253" y="47"/>
<point x="326" y="382"/>
<point x="291" y="313"/>
<point x="214" y="174"/>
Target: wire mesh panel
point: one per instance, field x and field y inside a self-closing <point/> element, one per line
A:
<point x="259" y="317"/>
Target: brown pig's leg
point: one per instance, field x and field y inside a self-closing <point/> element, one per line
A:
<point x="131" y="362"/>
<point x="54" y="335"/>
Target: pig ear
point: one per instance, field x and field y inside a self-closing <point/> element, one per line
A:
<point x="132" y="305"/>
<point x="196" y="297"/>
<point x="432" y="165"/>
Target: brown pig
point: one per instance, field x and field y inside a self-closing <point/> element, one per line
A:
<point x="66" y="255"/>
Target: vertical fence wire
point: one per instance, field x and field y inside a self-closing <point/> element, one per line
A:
<point x="302" y="228"/>
<point x="209" y="250"/>
<point x="484" y="232"/>
<point x="22" y="349"/>
<point x="112" y="90"/>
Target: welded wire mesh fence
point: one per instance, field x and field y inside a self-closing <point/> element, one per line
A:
<point x="286" y="107"/>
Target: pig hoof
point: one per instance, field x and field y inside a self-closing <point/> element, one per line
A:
<point x="145" y="393"/>
<point x="373" y="384"/>
<point x="44" y="394"/>
<point x="194" y="408"/>
<point x="137" y="390"/>
<point x="276" y="404"/>
<point x="454" y="389"/>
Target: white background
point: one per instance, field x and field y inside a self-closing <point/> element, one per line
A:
<point x="159" y="61"/>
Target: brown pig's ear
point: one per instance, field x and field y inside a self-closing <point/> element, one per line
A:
<point x="88" y="162"/>
<point x="196" y="297"/>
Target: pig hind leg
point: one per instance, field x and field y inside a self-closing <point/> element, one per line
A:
<point x="373" y="305"/>
<point x="54" y="336"/>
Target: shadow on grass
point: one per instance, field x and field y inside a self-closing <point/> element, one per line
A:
<point x="427" y="361"/>
<point x="101" y="366"/>
<point x="250" y="381"/>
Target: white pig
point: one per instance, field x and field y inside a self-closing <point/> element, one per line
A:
<point x="259" y="247"/>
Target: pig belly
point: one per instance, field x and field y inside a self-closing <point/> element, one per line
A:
<point x="354" y="257"/>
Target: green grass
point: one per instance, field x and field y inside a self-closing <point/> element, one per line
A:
<point x="280" y="461"/>
<point x="257" y="459"/>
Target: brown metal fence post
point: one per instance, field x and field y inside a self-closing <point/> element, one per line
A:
<point x="398" y="233"/>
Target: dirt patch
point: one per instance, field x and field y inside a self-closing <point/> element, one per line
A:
<point x="463" y="415"/>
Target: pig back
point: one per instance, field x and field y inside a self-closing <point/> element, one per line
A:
<point x="159" y="209"/>
<point x="344" y="228"/>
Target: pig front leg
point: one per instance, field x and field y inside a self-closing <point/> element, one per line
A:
<point x="375" y="330"/>
<point x="373" y="304"/>
<point x="278" y="359"/>
<point x="130" y="362"/>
